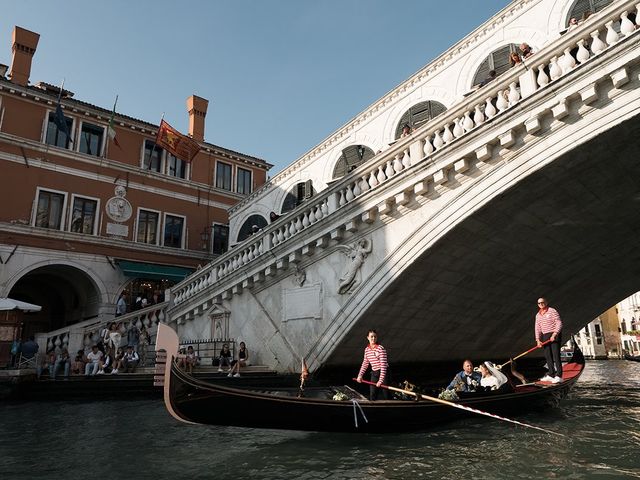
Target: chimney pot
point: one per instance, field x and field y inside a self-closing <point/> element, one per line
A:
<point x="197" y="108"/>
<point x="23" y="47"/>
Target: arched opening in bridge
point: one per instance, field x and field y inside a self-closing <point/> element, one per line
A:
<point x="581" y="9"/>
<point x="419" y="114"/>
<point x="497" y="61"/>
<point x="351" y="158"/>
<point x="298" y="194"/>
<point x="66" y="294"/>
<point x="251" y="226"/>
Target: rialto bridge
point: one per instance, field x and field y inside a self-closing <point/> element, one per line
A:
<point x="527" y="186"/>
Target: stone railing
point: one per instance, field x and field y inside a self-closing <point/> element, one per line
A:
<point x="538" y="72"/>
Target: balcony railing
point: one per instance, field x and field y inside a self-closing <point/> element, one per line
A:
<point x="539" y="72"/>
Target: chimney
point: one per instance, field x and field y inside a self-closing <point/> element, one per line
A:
<point x="24" y="46"/>
<point x="197" y="108"/>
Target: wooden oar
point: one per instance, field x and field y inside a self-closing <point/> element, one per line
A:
<point x="462" y="407"/>
<point x="499" y="367"/>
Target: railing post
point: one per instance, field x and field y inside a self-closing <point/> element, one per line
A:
<point x="266" y="242"/>
<point x="76" y="341"/>
<point x="332" y="202"/>
<point x="416" y="151"/>
<point x="528" y="84"/>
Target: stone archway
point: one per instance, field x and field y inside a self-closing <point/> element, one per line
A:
<point x="66" y="294"/>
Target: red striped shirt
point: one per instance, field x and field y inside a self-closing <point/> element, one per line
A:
<point x="548" y="322"/>
<point x="377" y="358"/>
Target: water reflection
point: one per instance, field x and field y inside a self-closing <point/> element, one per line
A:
<point x="138" y="439"/>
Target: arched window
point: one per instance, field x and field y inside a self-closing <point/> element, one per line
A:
<point x="297" y="195"/>
<point x="351" y="157"/>
<point x="498" y="61"/>
<point x="247" y="229"/>
<point x="582" y="8"/>
<point x="419" y="114"/>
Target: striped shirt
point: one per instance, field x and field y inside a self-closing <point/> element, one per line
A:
<point x="548" y="322"/>
<point x="377" y="358"/>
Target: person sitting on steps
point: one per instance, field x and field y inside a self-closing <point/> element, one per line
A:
<point x="224" y="358"/>
<point x="241" y="361"/>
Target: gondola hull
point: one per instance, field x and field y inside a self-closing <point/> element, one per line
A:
<point x="198" y="402"/>
<point x="195" y="401"/>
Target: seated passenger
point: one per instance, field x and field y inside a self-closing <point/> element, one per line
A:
<point x="105" y="364"/>
<point x="242" y="361"/>
<point x="225" y="358"/>
<point x="94" y="359"/>
<point x="191" y="360"/>
<point x="492" y="378"/>
<point x="130" y="360"/>
<point x="62" y="360"/>
<point x="117" y="361"/>
<point x="77" y="367"/>
<point x="467" y="380"/>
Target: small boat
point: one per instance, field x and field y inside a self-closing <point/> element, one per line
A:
<point x="633" y="358"/>
<point x="195" y="401"/>
<point x="566" y="355"/>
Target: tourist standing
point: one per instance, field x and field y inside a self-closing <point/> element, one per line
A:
<point x="121" y="306"/>
<point x="549" y="327"/>
<point x="375" y="356"/>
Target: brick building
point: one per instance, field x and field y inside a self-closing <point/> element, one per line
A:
<point x="83" y="219"/>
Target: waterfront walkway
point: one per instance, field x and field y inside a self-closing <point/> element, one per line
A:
<point x="23" y="384"/>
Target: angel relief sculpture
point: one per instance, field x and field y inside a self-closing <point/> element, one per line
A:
<point x="356" y="253"/>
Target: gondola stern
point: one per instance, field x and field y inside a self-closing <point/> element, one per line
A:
<point x="167" y="343"/>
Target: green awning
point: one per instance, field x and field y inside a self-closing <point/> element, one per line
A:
<point x="150" y="270"/>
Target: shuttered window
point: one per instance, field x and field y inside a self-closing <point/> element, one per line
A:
<point x="352" y="157"/>
<point x="247" y="229"/>
<point x="297" y="195"/>
<point x="583" y="6"/>
<point x="419" y="114"/>
<point x="498" y="60"/>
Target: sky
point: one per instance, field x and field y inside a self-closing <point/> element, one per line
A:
<point x="280" y="75"/>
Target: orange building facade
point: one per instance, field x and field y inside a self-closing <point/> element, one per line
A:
<point x="85" y="217"/>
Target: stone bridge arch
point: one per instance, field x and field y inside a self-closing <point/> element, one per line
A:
<point x="566" y="229"/>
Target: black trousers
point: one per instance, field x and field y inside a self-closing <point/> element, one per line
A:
<point x="376" y="393"/>
<point x="552" y="354"/>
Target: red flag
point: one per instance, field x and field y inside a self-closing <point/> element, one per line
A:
<point x="183" y="147"/>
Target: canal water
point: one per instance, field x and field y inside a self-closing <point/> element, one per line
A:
<point x="137" y="439"/>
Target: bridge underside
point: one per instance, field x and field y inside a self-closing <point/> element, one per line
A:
<point x="569" y="232"/>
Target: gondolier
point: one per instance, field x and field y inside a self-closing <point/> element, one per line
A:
<point x="549" y="327"/>
<point x="376" y="356"/>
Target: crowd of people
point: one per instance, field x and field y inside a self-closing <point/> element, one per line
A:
<point x="112" y="354"/>
<point x="142" y="300"/>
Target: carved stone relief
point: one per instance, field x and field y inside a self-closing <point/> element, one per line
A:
<point x="356" y="255"/>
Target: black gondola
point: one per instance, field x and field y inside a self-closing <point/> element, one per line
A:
<point x="194" y="401"/>
<point x="633" y="358"/>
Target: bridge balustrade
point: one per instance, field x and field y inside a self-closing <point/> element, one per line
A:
<point x="429" y="144"/>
